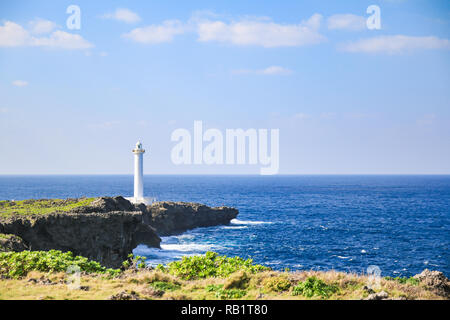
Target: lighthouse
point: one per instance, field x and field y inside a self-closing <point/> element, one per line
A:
<point x="138" y="172"/>
<point x="138" y="197"/>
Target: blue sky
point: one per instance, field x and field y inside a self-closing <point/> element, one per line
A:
<point x="346" y="99"/>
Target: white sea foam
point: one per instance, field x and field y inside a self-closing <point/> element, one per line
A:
<point x="235" y="227"/>
<point x="248" y="222"/>
<point x="188" y="247"/>
<point x="342" y="257"/>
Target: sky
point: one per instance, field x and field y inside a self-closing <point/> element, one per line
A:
<point x="346" y="99"/>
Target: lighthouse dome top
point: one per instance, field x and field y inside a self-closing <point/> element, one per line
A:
<point x="138" y="148"/>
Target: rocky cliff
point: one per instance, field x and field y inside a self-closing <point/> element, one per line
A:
<point x="108" y="229"/>
<point x="175" y="217"/>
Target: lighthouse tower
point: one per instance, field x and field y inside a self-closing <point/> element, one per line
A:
<point x="138" y="197"/>
<point x="138" y="173"/>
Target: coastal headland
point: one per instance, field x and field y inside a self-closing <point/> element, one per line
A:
<point x="104" y="229"/>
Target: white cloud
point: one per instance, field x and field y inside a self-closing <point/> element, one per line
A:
<point x="14" y="35"/>
<point x="395" y="44"/>
<point x="40" y="26"/>
<point x="272" y="70"/>
<point x="123" y="15"/>
<point x="4" y="110"/>
<point x="152" y="34"/>
<point x="19" y="83"/>
<point x="346" y="22"/>
<point x="63" y="40"/>
<point x="261" y="32"/>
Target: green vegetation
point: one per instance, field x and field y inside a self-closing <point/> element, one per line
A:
<point x="28" y="275"/>
<point x="6" y="236"/>
<point x="221" y="293"/>
<point x="18" y="264"/>
<point x="165" y="286"/>
<point x="210" y="265"/>
<point x="134" y="262"/>
<point x="314" y="287"/>
<point x="43" y="206"/>
<point x="404" y="280"/>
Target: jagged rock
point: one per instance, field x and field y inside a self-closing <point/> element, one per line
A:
<point x="382" y="295"/>
<point x="368" y="289"/>
<point x="11" y="242"/>
<point x="435" y="280"/>
<point x="170" y="218"/>
<point x="124" y="295"/>
<point x="108" y="204"/>
<point x="42" y="281"/>
<point x="152" y="292"/>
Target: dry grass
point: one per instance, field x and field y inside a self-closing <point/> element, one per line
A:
<point x="350" y="286"/>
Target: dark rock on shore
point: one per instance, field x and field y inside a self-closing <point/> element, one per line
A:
<point x="11" y="242"/>
<point x="170" y="218"/>
<point x="108" y="229"/>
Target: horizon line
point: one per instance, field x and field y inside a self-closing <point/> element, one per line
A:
<point x="226" y="174"/>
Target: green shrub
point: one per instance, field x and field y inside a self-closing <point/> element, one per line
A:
<point x="209" y="265"/>
<point x="277" y="284"/>
<point x="411" y="280"/>
<point x="165" y="286"/>
<point x="18" y="264"/>
<point x="225" y="294"/>
<point x="314" y="287"/>
<point x="134" y="262"/>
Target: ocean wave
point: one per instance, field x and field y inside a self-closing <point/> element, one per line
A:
<point x="188" y="247"/>
<point x="235" y="227"/>
<point x="248" y="222"/>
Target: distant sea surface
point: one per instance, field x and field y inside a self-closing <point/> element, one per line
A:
<point x="399" y="223"/>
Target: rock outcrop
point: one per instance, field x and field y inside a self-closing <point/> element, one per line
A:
<point x="435" y="280"/>
<point x="108" y="229"/>
<point x="11" y="242"/>
<point x="170" y="218"/>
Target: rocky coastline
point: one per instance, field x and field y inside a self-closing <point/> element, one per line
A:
<point x="107" y="229"/>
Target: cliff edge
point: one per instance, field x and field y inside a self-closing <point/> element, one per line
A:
<point x="103" y="229"/>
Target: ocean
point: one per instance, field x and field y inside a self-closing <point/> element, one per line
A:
<point x="400" y="223"/>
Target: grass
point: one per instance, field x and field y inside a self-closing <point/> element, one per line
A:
<point x="404" y="280"/>
<point x="164" y="283"/>
<point x="43" y="206"/>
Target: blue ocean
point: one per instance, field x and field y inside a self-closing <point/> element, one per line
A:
<point x="399" y="223"/>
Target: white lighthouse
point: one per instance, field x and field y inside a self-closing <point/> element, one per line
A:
<point x="138" y="171"/>
<point x="139" y="176"/>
